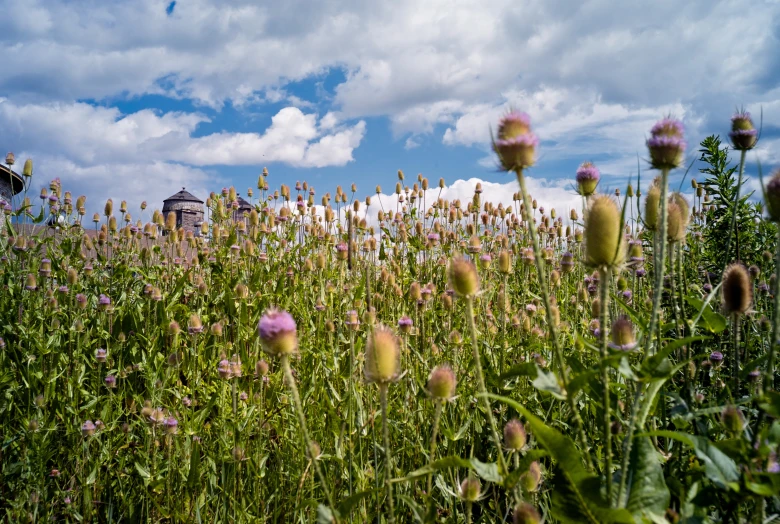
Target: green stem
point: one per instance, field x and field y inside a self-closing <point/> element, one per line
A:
<point x="481" y="383"/>
<point x="659" y="259"/>
<point x="733" y="228"/>
<point x="770" y="367"/>
<point x="550" y="321"/>
<point x="388" y="455"/>
<point x="604" y="275"/>
<point x="432" y="457"/>
<point x="304" y="429"/>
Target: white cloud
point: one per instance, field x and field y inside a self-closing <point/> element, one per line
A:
<point x="94" y="135"/>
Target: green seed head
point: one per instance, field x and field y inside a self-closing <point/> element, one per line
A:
<point x="604" y="239"/>
<point x="470" y="489"/>
<point x="442" y="382"/>
<point x="526" y="514"/>
<point x="514" y="435"/>
<point x="653" y="208"/>
<point x="382" y="356"/>
<point x="463" y="277"/>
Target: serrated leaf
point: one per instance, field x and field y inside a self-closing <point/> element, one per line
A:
<point x="646" y="490"/>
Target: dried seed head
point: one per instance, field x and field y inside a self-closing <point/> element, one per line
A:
<point x="737" y="290"/>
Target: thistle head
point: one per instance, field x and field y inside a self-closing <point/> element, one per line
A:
<point x="463" y="277"/>
<point x="652" y="216"/>
<point x="587" y="178"/>
<point x="733" y="419"/>
<point x="743" y="133"/>
<point x="278" y="333"/>
<point x="514" y="435"/>
<point x="622" y="335"/>
<point x="515" y="144"/>
<point x="736" y="289"/>
<point x="604" y="238"/>
<point x="382" y="360"/>
<point x="526" y="514"/>
<point x="442" y="383"/>
<point x="666" y="144"/>
<point x="772" y="195"/>
<point x="470" y="489"/>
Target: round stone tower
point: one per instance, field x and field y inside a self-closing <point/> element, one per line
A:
<point x="188" y="209"/>
<point x="10" y="183"/>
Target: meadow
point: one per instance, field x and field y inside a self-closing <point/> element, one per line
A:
<point x="325" y="359"/>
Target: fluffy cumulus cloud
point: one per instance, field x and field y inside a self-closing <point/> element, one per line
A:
<point x="149" y="155"/>
<point x="594" y="76"/>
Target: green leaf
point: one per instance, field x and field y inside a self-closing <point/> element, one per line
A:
<point x="547" y="381"/>
<point x="715" y="322"/>
<point x="579" y="498"/>
<point x="486" y="470"/>
<point x="444" y="463"/>
<point x="345" y="506"/>
<point x="718" y="467"/>
<point x="648" y="495"/>
<point x="142" y="470"/>
<point x="324" y="515"/>
<point x="193" y="477"/>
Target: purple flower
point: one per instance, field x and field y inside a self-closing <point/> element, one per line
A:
<point x="278" y="332"/>
<point x="743" y="134"/>
<point x="110" y="381"/>
<point x="641" y="272"/>
<point x="63" y="289"/>
<point x="707" y="288"/>
<point x="88" y="428"/>
<point x="433" y="237"/>
<point x="716" y="357"/>
<point x="53" y="199"/>
<point x="668" y="126"/>
<point x="171" y="425"/>
<point x="186" y="401"/>
<point x="104" y="301"/>
<point x="101" y="355"/>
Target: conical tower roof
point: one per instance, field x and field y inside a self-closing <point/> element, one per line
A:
<point x="183" y="196"/>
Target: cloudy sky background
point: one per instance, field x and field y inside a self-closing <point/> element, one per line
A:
<point x="135" y="99"/>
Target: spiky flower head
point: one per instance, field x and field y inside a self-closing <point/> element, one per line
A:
<point x="587" y="178"/>
<point x="652" y="216"/>
<point x="382" y="359"/>
<point x="604" y="238"/>
<point x="666" y="144"/>
<point x="622" y="335"/>
<point x="530" y="479"/>
<point x="470" y="489"/>
<point x="514" y="435"/>
<point x="526" y="514"/>
<point x="733" y="419"/>
<point x="463" y="277"/>
<point x="442" y="382"/>
<point x="737" y="290"/>
<point x="743" y="133"/>
<point x="515" y="144"/>
<point x="278" y="333"/>
<point x="772" y="196"/>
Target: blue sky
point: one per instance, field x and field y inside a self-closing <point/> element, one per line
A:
<point x="133" y="99"/>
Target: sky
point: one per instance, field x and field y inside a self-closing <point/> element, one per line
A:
<point x="133" y="100"/>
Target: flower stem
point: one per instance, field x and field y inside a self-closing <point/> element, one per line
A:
<point x="304" y="429"/>
<point x="733" y="228"/>
<point x="388" y="455"/>
<point x="550" y="321"/>
<point x="659" y="261"/>
<point x="770" y="367"/>
<point x="481" y="383"/>
<point x="604" y="275"/>
<point x="432" y="457"/>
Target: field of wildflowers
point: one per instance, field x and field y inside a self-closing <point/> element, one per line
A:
<point x="323" y="359"/>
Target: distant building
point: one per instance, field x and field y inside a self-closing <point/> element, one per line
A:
<point x="188" y="209"/>
<point x="10" y="183"/>
<point x="243" y="207"/>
